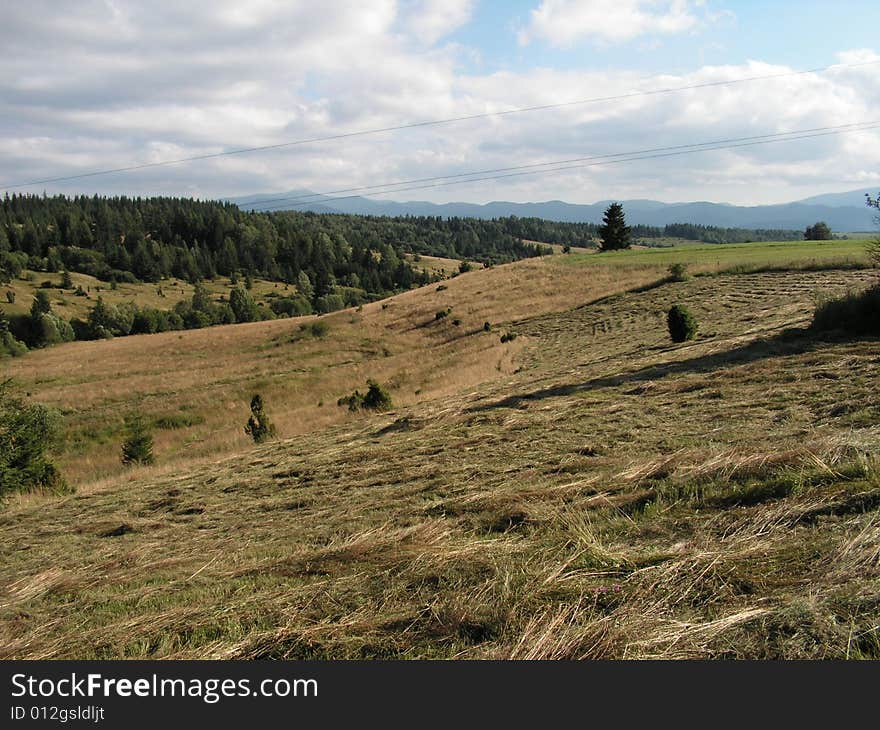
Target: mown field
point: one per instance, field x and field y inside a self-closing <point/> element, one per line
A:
<point x="589" y="490"/>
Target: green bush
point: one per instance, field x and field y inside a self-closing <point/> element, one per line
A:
<point x="27" y="431"/>
<point x="291" y="306"/>
<point x="316" y="329"/>
<point x="682" y="324"/>
<point x="854" y="313"/>
<point x="678" y="272"/>
<point x="508" y="337"/>
<point x="329" y="303"/>
<point x="375" y="399"/>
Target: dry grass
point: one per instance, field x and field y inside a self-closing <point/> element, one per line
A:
<point x="207" y="377"/>
<point x="620" y="496"/>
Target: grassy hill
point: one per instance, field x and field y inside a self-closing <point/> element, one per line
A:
<point x="588" y="490"/>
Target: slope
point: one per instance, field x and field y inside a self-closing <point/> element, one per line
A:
<point x="616" y="496"/>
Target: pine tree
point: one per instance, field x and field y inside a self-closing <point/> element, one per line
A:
<point x="614" y="232"/>
<point x="258" y="426"/>
<point x="26" y="433"/>
<point x="138" y="445"/>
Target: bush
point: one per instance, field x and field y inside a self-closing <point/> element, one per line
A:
<point x="508" y="337"/>
<point x="375" y="399"/>
<point x="9" y="346"/>
<point x="329" y="303"/>
<point x="27" y="431"/>
<point x="681" y="323"/>
<point x="316" y="329"/>
<point x="291" y="306"/>
<point x="678" y="272"/>
<point x="854" y="313"/>
<point x="443" y="314"/>
<point x="138" y="445"/>
<point x="258" y="426"/>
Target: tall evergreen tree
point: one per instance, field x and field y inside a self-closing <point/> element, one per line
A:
<point x="614" y="232"/>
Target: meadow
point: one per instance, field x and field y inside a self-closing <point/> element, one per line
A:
<point x="586" y="490"/>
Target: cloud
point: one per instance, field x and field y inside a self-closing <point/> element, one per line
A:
<point x="564" y="22"/>
<point x="430" y="20"/>
<point x="112" y="84"/>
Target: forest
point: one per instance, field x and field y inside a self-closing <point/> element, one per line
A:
<point x="332" y="260"/>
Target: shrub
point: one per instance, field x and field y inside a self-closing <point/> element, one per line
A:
<point x="9" y="346"/>
<point x="137" y="448"/>
<point x="291" y="306"/>
<point x="316" y="329"/>
<point x="375" y="399"/>
<point x="678" y="272"/>
<point x="258" y="426"/>
<point x="487" y="327"/>
<point x="681" y="323"/>
<point x="508" y="337"/>
<point x="173" y="421"/>
<point x="329" y="303"/>
<point x="10" y="296"/>
<point x="27" y="431"/>
<point x="145" y="322"/>
<point x="855" y="313"/>
<point x="464" y="267"/>
<point x="443" y="314"/>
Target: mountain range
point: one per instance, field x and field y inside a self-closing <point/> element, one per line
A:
<point x="843" y="212"/>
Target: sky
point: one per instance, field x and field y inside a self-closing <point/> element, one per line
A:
<point x="104" y="84"/>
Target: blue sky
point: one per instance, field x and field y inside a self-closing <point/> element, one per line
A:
<point x="103" y="84"/>
<point x="801" y="34"/>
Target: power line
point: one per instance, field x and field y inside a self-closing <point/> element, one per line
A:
<point x="437" y="122"/>
<point x="561" y="165"/>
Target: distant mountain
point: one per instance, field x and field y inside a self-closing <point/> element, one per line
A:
<point x="853" y="198"/>
<point x="842" y="211"/>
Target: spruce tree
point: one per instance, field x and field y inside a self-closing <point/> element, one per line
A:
<point x="27" y="431"/>
<point x="258" y="426"/>
<point x="614" y="232"/>
<point x="138" y="445"/>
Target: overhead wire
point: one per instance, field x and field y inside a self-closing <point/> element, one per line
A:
<point x="555" y="166"/>
<point x="430" y="123"/>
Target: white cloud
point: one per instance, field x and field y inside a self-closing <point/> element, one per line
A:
<point x="430" y="20"/>
<point x="563" y="22"/>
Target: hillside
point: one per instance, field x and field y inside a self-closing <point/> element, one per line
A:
<point x="589" y="490"/>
